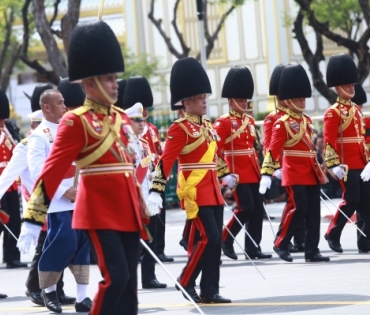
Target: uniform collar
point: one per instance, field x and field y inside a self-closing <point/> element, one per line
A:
<point x="294" y="115"/>
<point x="193" y="118"/>
<point x="235" y="113"/>
<point x="50" y="124"/>
<point x="282" y="108"/>
<point x="343" y="102"/>
<point x="96" y="107"/>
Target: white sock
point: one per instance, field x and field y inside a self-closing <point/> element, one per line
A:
<point x="81" y="292"/>
<point x="51" y="288"/>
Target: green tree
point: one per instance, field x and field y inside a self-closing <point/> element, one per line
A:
<point x="345" y="22"/>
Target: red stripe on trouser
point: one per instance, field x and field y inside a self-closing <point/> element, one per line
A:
<point x="191" y="238"/>
<point x="334" y="221"/>
<point x="196" y="254"/>
<point x="99" y="297"/>
<point x="225" y="232"/>
<point x="288" y="217"/>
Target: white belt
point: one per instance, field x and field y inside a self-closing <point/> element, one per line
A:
<point x="299" y="153"/>
<point x="3" y="164"/>
<point x="239" y="152"/>
<point x="107" y="169"/>
<point x="197" y="166"/>
<point x="350" y="140"/>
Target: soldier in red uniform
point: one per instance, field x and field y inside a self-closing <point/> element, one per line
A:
<point x="345" y="149"/>
<point x="238" y="136"/>
<point x="268" y="123"/>
<point x="10" y="200"/>
<point x="360" y="99"/>
<point x="99" y="137"/>
<point x="138" y="91"/>
<point x="193" y="141"/>
<point x="301" y="174"/>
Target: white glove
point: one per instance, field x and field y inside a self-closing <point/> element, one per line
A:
<point x="365" y="174"/>
<point x="154" y="203"/>
<point x="265" y="183"/>
<point x="278" y="174"/>
<point x="339" y="171"/>
<point x="29" y="234"/>
<point x="231" y="180"/>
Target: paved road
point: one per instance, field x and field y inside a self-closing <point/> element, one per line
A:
<point x="341" y="286"/>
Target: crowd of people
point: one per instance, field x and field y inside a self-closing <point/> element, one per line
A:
<point x="81" y="145"/>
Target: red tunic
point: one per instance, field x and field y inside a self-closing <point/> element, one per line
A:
<point x="240" y="155"/>
<point x="181" y="144"/>
<point x="107" y="194"/>
<point x="352" y="141"/>
<point x="6" y="147"/>
<point x="300" y="166"/>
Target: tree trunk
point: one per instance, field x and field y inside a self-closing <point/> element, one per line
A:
<point x="69" y="21"/>
<point x="55" y="57"/>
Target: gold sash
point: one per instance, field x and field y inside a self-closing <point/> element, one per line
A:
<point x="239" y="131"/>
<point x="187" y="190"/>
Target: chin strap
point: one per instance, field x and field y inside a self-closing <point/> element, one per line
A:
<point x="290" y="102"/>
<point x="238" y="107"/>
<point x="105" y="94"/>
<point x="345" y="94"/>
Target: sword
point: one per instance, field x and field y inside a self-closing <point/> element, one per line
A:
<point x="242" y="226"/>
<point x="169" y="274"/>
<point x="341" y="144"/>
<point x="11" y="233"/>
<point x="268" y="217"/>
<point x="354" y="224"/>
<point x="244" y="252"/>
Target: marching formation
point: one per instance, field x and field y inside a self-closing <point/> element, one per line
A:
<point x="91" y="134"/>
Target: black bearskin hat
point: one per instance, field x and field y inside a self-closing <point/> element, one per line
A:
<point x="238" y="83"/>
<point x="294" y="83"/>
<point x="93" y="51"/>
<point x="35" y="98"/>
<point x="137" y="91"/>
<point x="360" y="97"/>
<point x="4" y="106"/>
<point x="72" y="93"/>
<point x="275" y="78"/>
<point x="341" y="70"/>
<point x="121" y="92"/>
<point x="188" y="78"/>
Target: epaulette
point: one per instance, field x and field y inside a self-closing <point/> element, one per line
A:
<point x="118" y="109"/>
<point x="180" y="120"/>
<point x="79" y="110"/>
<point x="24" y="141"/>
<point x="334" y="106"/>
<point x="206" y="119"/>
<point x="225" y="115"/>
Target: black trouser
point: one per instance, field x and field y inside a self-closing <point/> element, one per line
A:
<point x="147" y="261"/>
<point x="206" y="254"/>
<point x="356" y="195"/>
<point x="250" y="213"/>
<point x="10" y="204"/>
<point x="304" y="205"/>
<point x="32" y="282"/>
<point x="118" y="257"/>
<point x="161" y="229"/>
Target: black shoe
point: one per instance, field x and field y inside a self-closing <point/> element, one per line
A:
<point x="216" y="298"/>
<point x="15" y="264"/>
<point x="184" y="243"/>
<point x="193" y="294"/>
<point x="154" y="284"/>
<point x="299" y="247"/>
<point x="334" y="244"/>
<point x="35" y="297"/>
<point x="363" y="250"/>
<point x="163" y="258"/>
<point x="292" y="248"/>
<point x="316" y="258"/>
<point x="257" y="255"/>
<point x="283" y="254"/>
<point x="3" y="296"/>
<point x="51" y="301"/>
<point x="84" y="306"/>
<point x="65" y="299"/>
<point x="229" y="251"/>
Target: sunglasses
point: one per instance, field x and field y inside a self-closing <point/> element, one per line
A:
<point x="138" y="120"/>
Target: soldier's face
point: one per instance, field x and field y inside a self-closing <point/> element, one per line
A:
<point x="196" y="105"/>
<point x="55" y="108"/>
<point x="137" y="126"/>
<point x="297" y="105"/>
<point x="109" y="84"/>
<point x="239" y="104"/>
<point x="346" y="91"/>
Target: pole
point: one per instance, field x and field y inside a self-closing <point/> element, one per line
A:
<point x="268" y="217"/>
